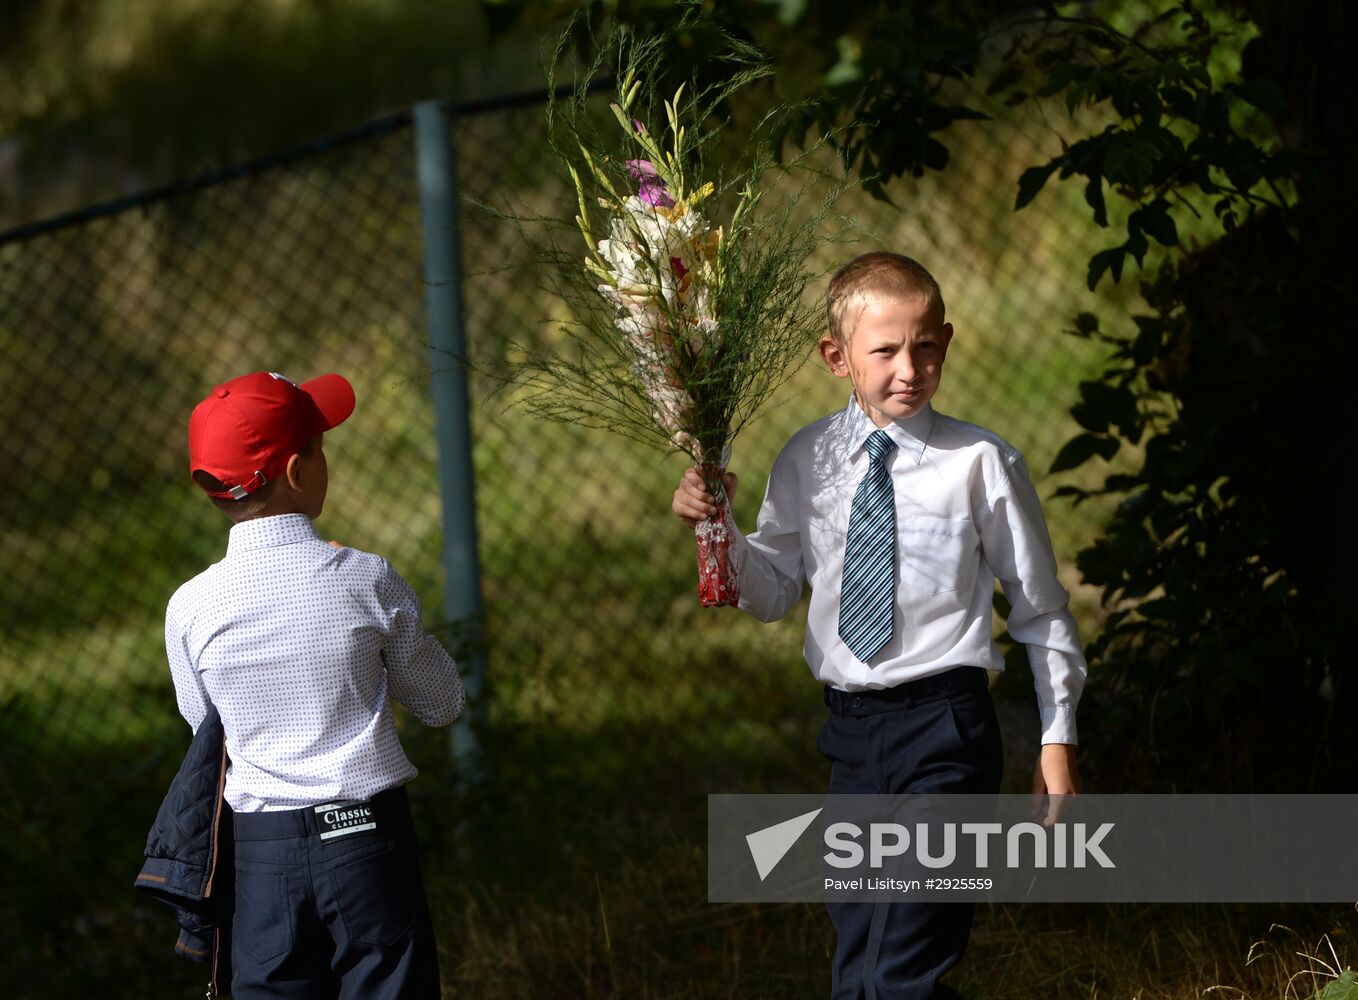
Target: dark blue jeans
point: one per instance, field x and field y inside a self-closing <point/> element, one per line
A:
<point x="938" y="734"/>
<point x="338" y="917"/>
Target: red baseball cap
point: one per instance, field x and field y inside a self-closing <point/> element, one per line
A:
<point x="245" y="431"/>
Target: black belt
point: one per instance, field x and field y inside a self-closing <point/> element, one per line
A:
<point x="389" y="810"/>
<point x="906" y="695"/>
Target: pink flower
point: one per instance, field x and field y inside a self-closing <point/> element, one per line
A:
<point x="652" y="188"/>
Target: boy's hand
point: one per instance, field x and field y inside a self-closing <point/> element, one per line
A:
<point x="1055" y="777"/>
<point x="692" y="502"/>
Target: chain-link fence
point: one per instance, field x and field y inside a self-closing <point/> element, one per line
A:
<point x="605" y="677"/>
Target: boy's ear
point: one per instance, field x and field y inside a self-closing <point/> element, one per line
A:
<point x="946" y="332"/>
<point x="834" y="356"/>
<point x="293" y="472"/>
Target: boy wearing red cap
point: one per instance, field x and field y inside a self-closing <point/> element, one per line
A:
<point x="301" y="645"/>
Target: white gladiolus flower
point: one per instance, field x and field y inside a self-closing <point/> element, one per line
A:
<point x="658" y="255"/>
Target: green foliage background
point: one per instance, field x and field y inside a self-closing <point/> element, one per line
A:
<point x="1216" y="140"/>
<point x="618" y="703"/>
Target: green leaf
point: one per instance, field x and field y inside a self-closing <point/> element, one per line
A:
<point x="1157" y="222"/>
<point x="1136" y="244"/>
<point x="1094" y="196"/>
<point x="1160" y="607"/>
<point x="1102" y="404"/>
<point x="1086" y="325"/>
<point x="1168" y="146"/>
<point x="938" y="116"/>
<point x="1121" y="483"/>
<point x="1063" y="76"/>
<point x="1011" y="74"/>
<point x="1032" y="181"/>
<point x="1343" y="988"/>
<point x="1243" y="168"/>
<point x="1102" y="564"/>
<point x="1265" y="95"/>
<point x="1130" y="160"/>
<point x="1103" y="38"/>
<point x="934" y="154"/>
<point x="1072" y="491"/>
<point x="873" y="186"/>
<point x="1081" y="449"/>
<point x="1165" y="520"/>
<point x="1092" y="418"/>
<point x="1103" y="261"/>
<point x="1075" y="95"/>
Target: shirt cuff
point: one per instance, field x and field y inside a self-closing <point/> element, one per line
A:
<point x="1058" y="724"/>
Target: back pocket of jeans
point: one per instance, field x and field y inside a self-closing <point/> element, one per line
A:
<point x="379" y="895"/>
<point x="262" y="925"/>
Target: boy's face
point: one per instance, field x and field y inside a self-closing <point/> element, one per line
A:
<point x="894" y="355"/>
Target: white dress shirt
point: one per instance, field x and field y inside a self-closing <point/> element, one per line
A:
<point x="966" y="513"/>
<point x="301" y="646"/>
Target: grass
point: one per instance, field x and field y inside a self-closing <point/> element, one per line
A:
<point x="579" y="871"/>
<point x="614" y="943"/>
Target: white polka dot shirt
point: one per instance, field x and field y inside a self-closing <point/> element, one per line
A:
<point x="302" y="646"/>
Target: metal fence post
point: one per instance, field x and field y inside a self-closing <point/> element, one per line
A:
<point x="436" y="170"/>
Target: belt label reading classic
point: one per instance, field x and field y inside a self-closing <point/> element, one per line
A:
<point x="339" y="819"/>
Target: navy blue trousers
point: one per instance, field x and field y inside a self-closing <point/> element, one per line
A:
<point x="937" y="734"/>
<point x="337" y="917"/>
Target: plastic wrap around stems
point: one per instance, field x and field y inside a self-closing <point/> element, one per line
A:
<point x="717" y="583"/>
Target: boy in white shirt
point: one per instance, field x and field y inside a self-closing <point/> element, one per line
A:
<point x="302" y="646"/>
<point x="901" y="519"/>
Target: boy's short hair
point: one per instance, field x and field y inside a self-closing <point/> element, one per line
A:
<point x="878" y="274"/>
<point x="252" y="505"/>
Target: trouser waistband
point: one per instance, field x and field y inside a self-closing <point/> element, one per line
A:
<point x="907" y="694"/>
<point x="388" y="809"/>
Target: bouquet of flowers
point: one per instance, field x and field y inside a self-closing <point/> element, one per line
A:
<point x="683" y="326"/>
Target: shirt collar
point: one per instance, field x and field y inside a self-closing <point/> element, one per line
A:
<point x="910" y="435"/>
<point x="266" y="532"/>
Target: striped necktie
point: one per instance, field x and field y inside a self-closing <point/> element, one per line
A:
<point x="867" y="600"/>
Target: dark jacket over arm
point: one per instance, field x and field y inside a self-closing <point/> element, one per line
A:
<point x="189" y="853"/>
